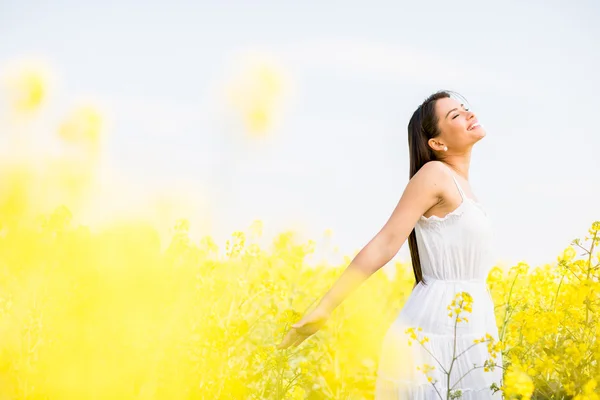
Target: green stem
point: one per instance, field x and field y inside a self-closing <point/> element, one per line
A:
<point x="556" y="296"/>
<point x="453" y="355"/>
<point x="589" y="271"/>
<point x="507" y="318"/>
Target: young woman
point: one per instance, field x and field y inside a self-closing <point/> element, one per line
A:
<point x="451" y="240"/>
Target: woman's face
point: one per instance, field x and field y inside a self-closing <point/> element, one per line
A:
<point x="459" y="126"/>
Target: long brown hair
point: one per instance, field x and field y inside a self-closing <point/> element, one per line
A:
<point x="423" y="125"/>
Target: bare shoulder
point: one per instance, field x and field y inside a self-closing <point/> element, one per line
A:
<point x="424" y="191"/>
<point x="433" y="169"/>
<point x="431" y="177"/>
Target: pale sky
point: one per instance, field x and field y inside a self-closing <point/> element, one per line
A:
<point x="355" y="72"/>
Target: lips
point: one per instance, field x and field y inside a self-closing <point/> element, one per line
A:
<point x="474" y="126"/>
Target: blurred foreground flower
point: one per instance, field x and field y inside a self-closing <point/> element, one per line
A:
<point x="82" y="126"/>
<point x="590" y="391"/>
<point x="517" y="384"/>
<point x="26" y="86"/>
<point x="255" y="95"/>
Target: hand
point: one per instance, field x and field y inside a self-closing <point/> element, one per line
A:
<point x="301" y="330"/>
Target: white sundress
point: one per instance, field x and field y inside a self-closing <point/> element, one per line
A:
<point x="456" y="253"/>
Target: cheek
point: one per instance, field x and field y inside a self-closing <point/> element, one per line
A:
<point x="458" y="132"/>
<point x="455" y="132"/>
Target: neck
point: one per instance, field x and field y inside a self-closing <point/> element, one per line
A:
<point x="459" y="163"/>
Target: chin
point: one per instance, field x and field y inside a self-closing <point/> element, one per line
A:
<point x="478" y="137"/>
<point x="480" y="133"/>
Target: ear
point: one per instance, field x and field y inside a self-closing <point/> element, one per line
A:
<point x="435" y="145"/>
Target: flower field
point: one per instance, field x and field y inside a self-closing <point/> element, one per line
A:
<point x="110" y="312"/>
<point x="106" y="314"/>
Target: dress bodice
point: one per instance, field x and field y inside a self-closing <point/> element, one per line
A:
<point x="458" y="246"/>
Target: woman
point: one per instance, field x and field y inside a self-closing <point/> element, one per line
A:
<point x="450" y="240"/>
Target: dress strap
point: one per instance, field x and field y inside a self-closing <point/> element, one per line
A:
<point x="462" y="194"/>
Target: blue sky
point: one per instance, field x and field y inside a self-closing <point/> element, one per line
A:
<point x="338" y="155"/>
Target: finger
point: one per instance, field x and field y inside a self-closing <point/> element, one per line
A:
<point x="284" y="343"/>
<point x="306" y="330"/>
<point x="290" y="337"/>
<point x="299" y="340"/>
<point x="298" y="324"/>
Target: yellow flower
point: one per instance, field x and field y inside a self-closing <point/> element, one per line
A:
<point x="26" y="83"/>
<point x="517" y="383"/>
<point x="298" y="393"/>
<point x="495" y="275"/>
<point x="569" y="254"/>
<point x="256" y="94"/>
<point x="83" y="125"/>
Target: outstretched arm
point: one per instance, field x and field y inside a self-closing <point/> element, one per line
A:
<point x="421" y="193"/>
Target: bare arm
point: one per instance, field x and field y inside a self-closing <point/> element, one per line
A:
<point x="422" y="192"/>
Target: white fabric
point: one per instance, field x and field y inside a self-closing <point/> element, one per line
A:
<point x="456" y="254"/>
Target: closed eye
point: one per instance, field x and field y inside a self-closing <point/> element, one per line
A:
<point x="466" y="109"/>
